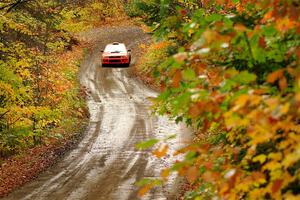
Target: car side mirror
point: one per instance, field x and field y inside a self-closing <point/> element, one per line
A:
<point x="129" y="50"/>
<point x="102" y="51"/>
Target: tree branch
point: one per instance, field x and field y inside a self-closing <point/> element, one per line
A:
<point x="11" y="6"/>
<point x="3" y="114"/>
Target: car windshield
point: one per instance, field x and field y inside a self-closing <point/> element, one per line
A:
<point x="115" y="49"/>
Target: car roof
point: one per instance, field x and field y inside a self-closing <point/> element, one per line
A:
<point x="115" y="47"/>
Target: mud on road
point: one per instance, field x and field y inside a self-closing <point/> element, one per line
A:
<point x="106" y="164"/>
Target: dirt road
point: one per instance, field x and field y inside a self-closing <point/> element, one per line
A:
<point x="106" y="164"/>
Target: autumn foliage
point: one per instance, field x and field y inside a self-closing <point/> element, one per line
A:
<point x="235" y="79"/>
<point x="40" y="97"/>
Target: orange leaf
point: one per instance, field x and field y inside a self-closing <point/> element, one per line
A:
<point x="298" y="97"/>
<point x="268" y="16"/>
<point x="165" y="173"/>
<point x="208" y="165"/>
<point x="192" y="174"/>
<point x="145" y="189"/>
<point x="276" y="185"/>
<point x="262" y="42"/>
<point x="290" y="70"/>
<point x="284" y="24"/>
<point x="283" y="83"/>
<point x="161" y="152"/>
<point x="195" y="111"/>
<point x="240" y="28"/>
<point x="274" y="76"/>
<point x="186" y="149"/>
<point x="176" y="79"/>
<point x="201" y="68"/>
<point x="209" y="176"/>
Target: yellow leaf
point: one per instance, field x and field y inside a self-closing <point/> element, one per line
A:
<point x="257" y="193"/>
<point x="259" y="177"/>
<point x="165" y="173"/>
<point x="242" y="100"/>
<point x="143" y="46"/>
<point x="290" y="196"/>
<point x="291" y="158"/>
<point x="285" y="108"/>
<point x="210" y="36"/>
<point x="260" y="158"/>
<point x="255" y="100"/>
<point x="273" y="165"/>
<point x="261" y="134"/>
<point x="275" y="156"/>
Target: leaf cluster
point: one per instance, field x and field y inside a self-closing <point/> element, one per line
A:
<point x="39" y="91"/>
<point x="235" y="79"/>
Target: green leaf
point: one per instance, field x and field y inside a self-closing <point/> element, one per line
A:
<point x="146" y="181"/>
<point x="269" y="31"/>
<point x="170" y="137"/>
<point x="189" y="74"/>
<point x="245" y="77"/>
<point x="190" y="156"/>
<point x="177" y="166"/>
<point x="228" y="85"/>
<point x="143" y="182"/>
<point x="147" y="144"/>
<point x="214" y="17"/>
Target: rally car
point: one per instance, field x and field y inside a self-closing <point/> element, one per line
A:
<point x="116" y="54"/>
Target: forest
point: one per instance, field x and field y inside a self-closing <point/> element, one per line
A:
<point x="40" y="97"/>
<point x="231" y="71"/>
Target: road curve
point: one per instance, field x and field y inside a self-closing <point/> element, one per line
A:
<point x="106" y="164"/>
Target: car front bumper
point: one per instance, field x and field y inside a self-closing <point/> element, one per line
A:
<point x="114" y="61"/>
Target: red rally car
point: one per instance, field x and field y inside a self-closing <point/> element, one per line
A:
<point x="116" y="54"/>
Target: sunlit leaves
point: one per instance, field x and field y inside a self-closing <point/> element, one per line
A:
<point x="147" y="144"/>
<point x="37" y="75"/>
<point x="237" y="67"/>
<point x="189" y="74"/>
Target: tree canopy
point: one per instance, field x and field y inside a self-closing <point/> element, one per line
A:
<point x="38" y="90"/>
<point x="232" y="73"/>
